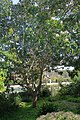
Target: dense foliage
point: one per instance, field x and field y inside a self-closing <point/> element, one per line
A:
<point x="59" y="116"/>
<point x="73" y="88"/>
<point x="8" y="104"/>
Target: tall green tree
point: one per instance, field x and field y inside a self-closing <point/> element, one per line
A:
<point x="41" y="34"/>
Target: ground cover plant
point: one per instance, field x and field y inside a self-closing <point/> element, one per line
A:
<point x="59" y="116"/>
<point x="44" y="106"/>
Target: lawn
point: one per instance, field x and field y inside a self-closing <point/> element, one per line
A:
<point x="26" y="112"/>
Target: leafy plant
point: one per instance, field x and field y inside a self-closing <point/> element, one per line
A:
<point x="59" y="116"/>
<point x="27" y="95"/>
<point x="2" y="80"/>
<point x="73" y="99"/>
<point x="45" y="92"/>
<point x="77" y="77"/>
<point x="72" y="89"/>
<point x="47" y="108"/>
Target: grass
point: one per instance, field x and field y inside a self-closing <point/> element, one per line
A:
<point x="26" y="112"/>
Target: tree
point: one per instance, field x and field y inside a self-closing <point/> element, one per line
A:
<point x="40" y="36"/>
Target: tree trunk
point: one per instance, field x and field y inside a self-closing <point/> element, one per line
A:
<point x="37" y="89"/>
<point x="35" y="96"/>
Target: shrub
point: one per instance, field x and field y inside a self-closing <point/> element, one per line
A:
<point x="27" y="95"/>
<point x="8" y="104"/>
<point x="77" y="77"/>
<point x="3" y="103"/>
<point x="59" y="116"/>
<point x="45" y="92"/>
<point x="47" y="108"/>
<point x="73" y="99"/>
<point x="51" y="99"/>
<point x="14" y="99"/>
<point x="72" y="89"/>
<point x="66" y="90"/>
<point x="56" y="98"/>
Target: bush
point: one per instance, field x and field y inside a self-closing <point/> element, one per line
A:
<point x="59" y="116"/>
<point x="73" y="99"/>
<point x="8" y="104"/>
<point x="47" y="108"/>
<point x="27" y="95"/>
<point x="72" y="89"/>
<point x="14" y="99"/>
<point x="4" y="105"/>
<point x="51" y="99"/>
<point x="56" y="98"/>
<point x="45" y="92"/>
<point x="77" y="77"/>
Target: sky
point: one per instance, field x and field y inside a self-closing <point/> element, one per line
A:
<point x="15" y="1"/>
